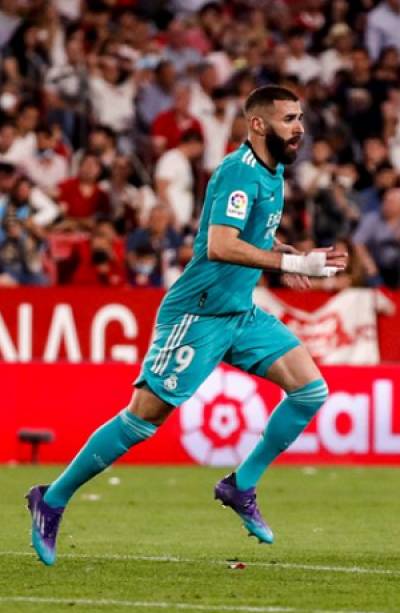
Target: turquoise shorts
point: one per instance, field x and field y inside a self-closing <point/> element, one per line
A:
<point x="183" y="354"/>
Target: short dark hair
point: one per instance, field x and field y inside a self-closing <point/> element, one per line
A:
<point x="109" y="132"/>
<point x="264" y="96"/>
<point x="191" y="136"/>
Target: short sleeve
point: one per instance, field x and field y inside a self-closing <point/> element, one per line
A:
<point x="235" y="192"/>
<point x="166" y="166"/>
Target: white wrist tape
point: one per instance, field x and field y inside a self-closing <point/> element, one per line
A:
<point x="311" y="265"/>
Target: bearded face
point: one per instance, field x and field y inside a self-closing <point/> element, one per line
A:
<point x="283" y="151"/>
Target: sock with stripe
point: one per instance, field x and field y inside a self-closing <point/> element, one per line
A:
<point x="105" y="445"/>
<point x="287" y="421"/>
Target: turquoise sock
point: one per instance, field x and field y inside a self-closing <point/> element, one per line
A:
<point x="105" y="445"/>
<point x="287" y="421"/>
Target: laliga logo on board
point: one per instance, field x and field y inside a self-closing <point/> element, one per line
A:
<point x="223" y="421"/>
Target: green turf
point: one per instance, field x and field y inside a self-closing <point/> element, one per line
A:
<point x="331" y="517"/>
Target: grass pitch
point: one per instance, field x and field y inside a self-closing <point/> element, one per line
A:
<point x="152" y="539"/>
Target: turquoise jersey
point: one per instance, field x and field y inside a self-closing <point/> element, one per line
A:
<point x="245" y="194"/>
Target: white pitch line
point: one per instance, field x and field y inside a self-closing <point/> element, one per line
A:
<point x="104" y="602"/>
<point x="176" y="560"/>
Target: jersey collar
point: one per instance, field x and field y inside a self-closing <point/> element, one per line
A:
<point x="272" y="171"/>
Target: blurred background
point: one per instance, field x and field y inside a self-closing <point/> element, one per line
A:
<point x="113" y="115"/>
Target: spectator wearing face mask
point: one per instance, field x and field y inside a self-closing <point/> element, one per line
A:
<point x="100" y="259"/>
<point x="46" y="168"/>
<point x="151" y="250"/>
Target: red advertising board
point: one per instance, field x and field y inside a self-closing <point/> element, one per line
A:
<point x="359" y="423"/>
<point x="76" y="324"/>
<point x="97" y="324"/>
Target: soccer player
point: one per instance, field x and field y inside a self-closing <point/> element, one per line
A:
<point x="208" y="316"/>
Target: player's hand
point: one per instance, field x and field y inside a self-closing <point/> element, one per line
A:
<point x="298" y="282"/>
<point x="333" y="257"/>
<point x="284" y="248"/>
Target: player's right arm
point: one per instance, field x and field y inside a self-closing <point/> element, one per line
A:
<point x="229" y="214"/>
<point x="224" y="245"/>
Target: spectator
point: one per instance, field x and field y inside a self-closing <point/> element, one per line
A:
<point x="30" y="55"/>
<point x="135" y="59"/>
<point x="238" y="133"/>
<point x="388" y="65"/>
<point x="300" y="63"/>
<point x="101" y="143"/>
<point x="9" y="150"/>
<point x="33" y="203"/>
<point x="8" y="178"/>
<point x="338" y="55"/>
<point x="177" y="51"/>
<point x="168" y="126"/>
<point x="241" y="84"/>
<point x="335" y="209"/>
<point x="317" y="173"/>
<point x="377" y="242"/>
<point x="152" y="249"/>
<point x="174" y="178"/>
<point x="46" y="168"/>
<point x="374" y="154"/>
<point x="156" y="97"/>
<point x="384" y="177"/>
<point x="111" y="96"/>
<point x="383" y="26"/>
<point x="66" y="89"/>
<point x="26" y="123"/>
<point x="201" y="103"/>
<point x="100" y="259"/>
<point x="356" y="97"/>
<point x="216" y="127"/>
<point x="81" y="198"/>
<point x="10" y="20"/>
<point x="21" y="255"/>
<point x="128" y="204"/>
<point x="391" y="129"/>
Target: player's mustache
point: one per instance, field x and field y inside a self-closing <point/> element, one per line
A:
<point x="294" y="140"/>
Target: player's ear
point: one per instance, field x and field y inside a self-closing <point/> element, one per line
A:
<point x="258" y="125"/>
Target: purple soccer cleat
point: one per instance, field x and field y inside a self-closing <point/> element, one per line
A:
<point x="45" y="524"/>
<point x="245" y="505"/>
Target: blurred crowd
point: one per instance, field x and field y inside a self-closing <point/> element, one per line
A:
<point x="114" y="114"/>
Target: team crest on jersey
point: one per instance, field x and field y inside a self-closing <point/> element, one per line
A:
<point x="171" y="383"/>
<point x="237" y="205"/>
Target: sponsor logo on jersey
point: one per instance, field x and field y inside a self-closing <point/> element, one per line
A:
<point x="237" y="205"/>
<point x="171" y="383"/>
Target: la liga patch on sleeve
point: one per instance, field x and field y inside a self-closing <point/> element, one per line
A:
<point x="237" y="205"/>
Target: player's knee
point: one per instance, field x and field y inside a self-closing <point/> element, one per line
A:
<point x="149" y="407"/>
<point x="310" y="397"/>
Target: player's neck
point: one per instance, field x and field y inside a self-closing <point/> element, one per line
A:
<point x="261" y="152"/>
